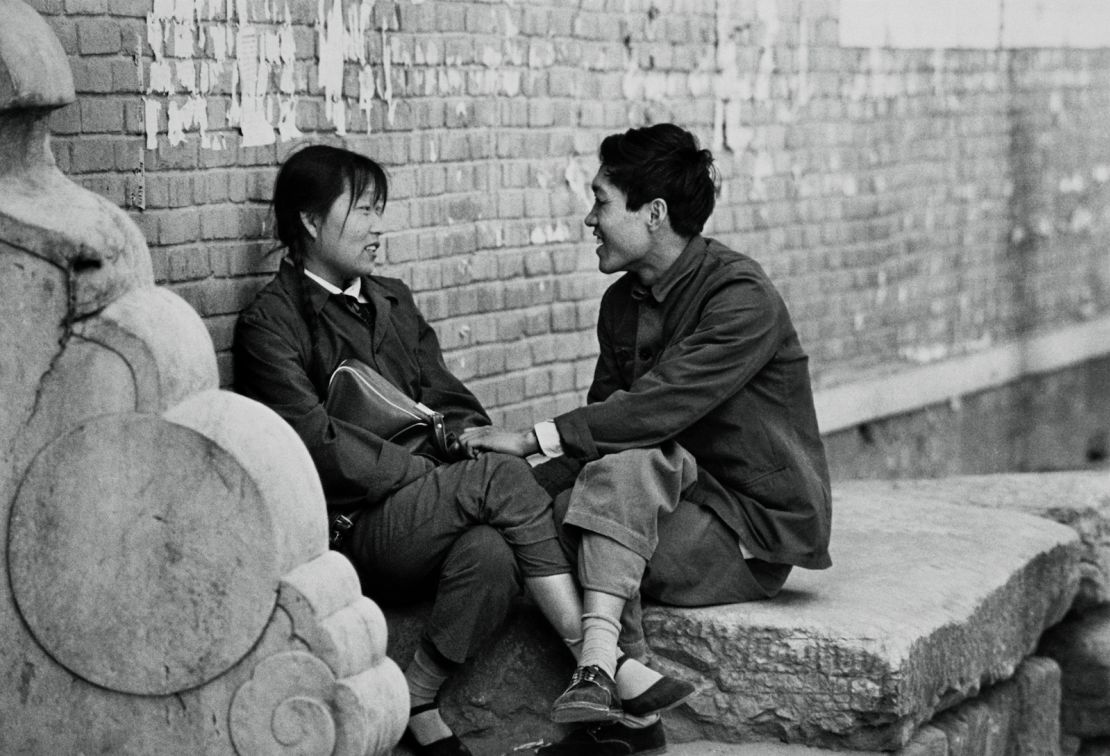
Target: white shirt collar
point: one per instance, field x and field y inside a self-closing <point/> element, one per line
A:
<point x="354" y="290"/>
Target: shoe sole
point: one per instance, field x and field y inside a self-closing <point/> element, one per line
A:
<point x="577" y="714"/>
<point x="672" y="705"/>
<point x="651" y="751"/>
<point x="582" y="713"/>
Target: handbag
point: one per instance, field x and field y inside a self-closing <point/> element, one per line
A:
<point x="362" y="396"/>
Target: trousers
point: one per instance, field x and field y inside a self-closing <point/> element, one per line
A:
<point x="464" y="535"/>
<point x="634" y="527"/>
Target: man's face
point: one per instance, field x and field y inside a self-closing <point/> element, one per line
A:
<point x="623" y="233"/>
<point x="346" y="244"/>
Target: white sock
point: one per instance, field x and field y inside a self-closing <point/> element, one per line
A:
<point x="634" y="677"/>
<point x="599" y="642"/>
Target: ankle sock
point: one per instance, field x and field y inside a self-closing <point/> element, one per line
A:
<point x="634" y="677"/>
<point x="428" y="727"/>
<point x="599" y="642"/>
<point x="425" y="675"/>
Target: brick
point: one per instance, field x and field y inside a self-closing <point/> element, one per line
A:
<point x="219" y="296"/>
<point x="222" y="330"/>
<point x="86" y="7"/>
<point x="88" y="156"/>
<point x="221" y="222"/>
<point x="66" y="120"/>
<point x="98" y="36"/>
<point x="133" y="8"/>
<point x="169" y="190"/>
<point x="92" y="75"/>
<point x="186" y="264"/>
<point x="178" y="226"/>
<point x="450" y="17"/>
<point x="64" y="28"/>
<point x="125" y="76"/>
<point x="99" y="116"/>
<point x="112" y="187"/>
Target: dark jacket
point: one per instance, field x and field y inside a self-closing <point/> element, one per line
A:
<point x="708" y="357"/>
<point x="277" y="362"/>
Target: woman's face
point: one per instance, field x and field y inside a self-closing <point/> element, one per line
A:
<point x="344" y="245"/>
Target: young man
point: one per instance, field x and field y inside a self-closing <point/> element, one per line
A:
<point x="695" y="473"/>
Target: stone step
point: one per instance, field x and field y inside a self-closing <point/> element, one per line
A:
<point x="927" y="602"/>
<point x="1080" y="500"/>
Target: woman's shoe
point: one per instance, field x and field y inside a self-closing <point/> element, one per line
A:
<point x="666" y="693"/>
<point x="449" y="746"/>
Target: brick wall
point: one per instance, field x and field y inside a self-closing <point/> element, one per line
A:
<point x="913" y="203"/>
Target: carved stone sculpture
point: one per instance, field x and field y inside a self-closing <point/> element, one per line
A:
<point x="168" y="586"/>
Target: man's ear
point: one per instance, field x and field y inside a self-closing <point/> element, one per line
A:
<point x="311" y="223"/>
<point x="657" y="213"/>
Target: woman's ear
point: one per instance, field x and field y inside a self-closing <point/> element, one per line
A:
<point x="311" y="223"/>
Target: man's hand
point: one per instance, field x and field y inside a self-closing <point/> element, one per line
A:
<point x="489" y="438"/>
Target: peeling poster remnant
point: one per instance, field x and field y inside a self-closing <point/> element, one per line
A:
<point x="244" y="51"/>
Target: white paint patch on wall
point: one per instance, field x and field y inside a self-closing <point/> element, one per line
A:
<point x="202" y="47"/>
<point x="974" y="24"/>
<point x="1056" y="23"/>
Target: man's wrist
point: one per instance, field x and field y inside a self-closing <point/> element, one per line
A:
<point x="531" y="442"/>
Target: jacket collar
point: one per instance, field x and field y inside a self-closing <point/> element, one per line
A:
<point x="683" y="267"/>
<point x="316" y="293"/>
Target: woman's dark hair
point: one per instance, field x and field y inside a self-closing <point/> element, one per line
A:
<point x="663" y="161"/>
<point x="310" y="180"/>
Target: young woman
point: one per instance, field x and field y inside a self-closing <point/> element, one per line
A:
<point x="460" y="531"/>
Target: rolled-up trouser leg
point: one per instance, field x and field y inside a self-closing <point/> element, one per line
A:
<point x="621" y="497"/>
<point x="518" y="507"/>
<point x="614" y="509"/>
<point x="631" y="639"/>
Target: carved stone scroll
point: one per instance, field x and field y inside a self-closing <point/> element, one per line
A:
<point x="168" y="587"/>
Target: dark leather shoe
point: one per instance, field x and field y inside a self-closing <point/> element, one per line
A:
<point x="609" y="739"/>
<point x="590" y="697"/>
<point x="666" y="693"/>
<point x="448" y="746"/>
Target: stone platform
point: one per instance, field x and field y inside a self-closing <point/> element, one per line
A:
<point x="1080" y="500"/>
<point x="1014" y="718"/>
<point x="927" y="603"/>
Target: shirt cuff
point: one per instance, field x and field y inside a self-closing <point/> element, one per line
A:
<point x="551" y="445"/>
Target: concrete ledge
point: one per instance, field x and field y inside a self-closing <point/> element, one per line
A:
<point x="926" y="602"/>
<point x="920" y="386"/>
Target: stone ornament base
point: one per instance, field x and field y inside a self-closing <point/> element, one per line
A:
<point x="168" y="587"/>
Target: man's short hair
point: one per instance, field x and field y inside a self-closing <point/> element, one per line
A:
<point x="663" y="161"/>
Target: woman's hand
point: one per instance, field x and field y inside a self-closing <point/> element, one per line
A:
<point x="489" y="438"/>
